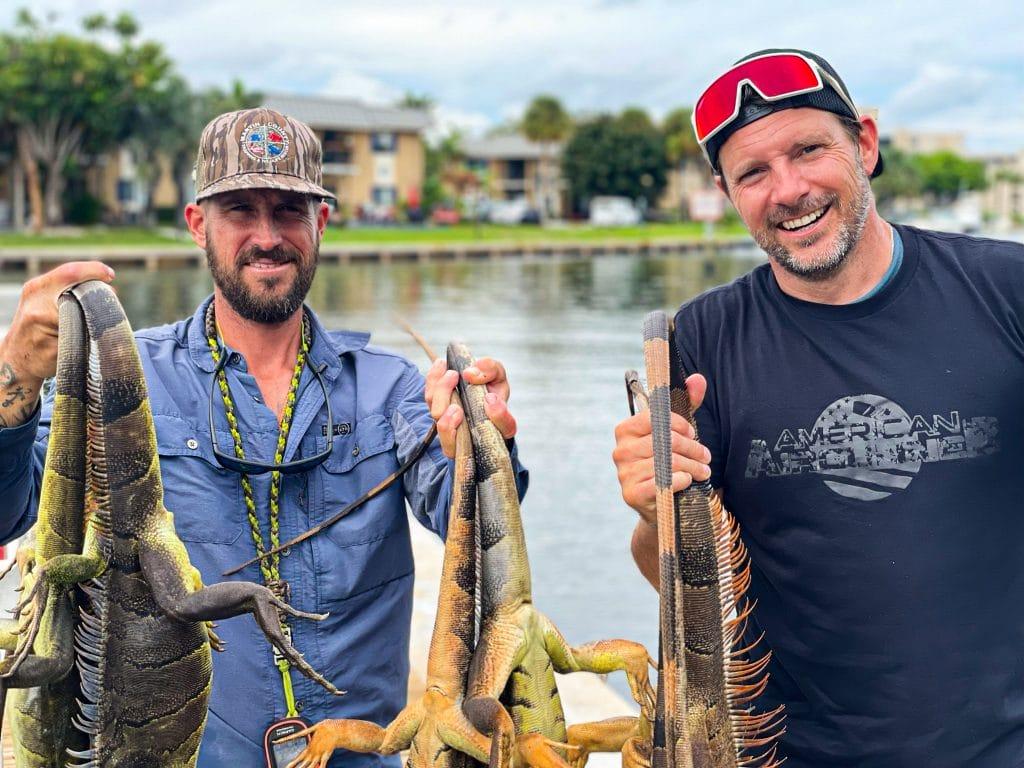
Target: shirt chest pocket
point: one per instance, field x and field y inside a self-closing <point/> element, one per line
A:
<point x="205" y="498"/>
<point x="370" y="545"/>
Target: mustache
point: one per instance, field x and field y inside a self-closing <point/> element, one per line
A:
<point x="277" y="254"/>
<point x="781" y="213"/>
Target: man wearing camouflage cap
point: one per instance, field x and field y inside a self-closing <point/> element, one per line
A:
<point x="860" y="413"/>
<point x="263" y="355"/>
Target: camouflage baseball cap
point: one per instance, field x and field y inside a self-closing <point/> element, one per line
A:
<point x="258" y="149"/>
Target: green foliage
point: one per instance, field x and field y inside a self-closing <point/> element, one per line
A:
<point x="84" y="209"/>
<point x="546" y="120"/>
<point x="680" y="141"/>
<point x="901" y="178"/>
<point x="438" y="158"/>
<point x="945" y="174"/>
<point x="636" y="120"/>
<point x="412" y="100"/>
<point x="615" y="156"/>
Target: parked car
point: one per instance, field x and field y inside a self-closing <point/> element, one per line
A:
<point x="516" y="211"/>
<point x="445" y="216"/>
<point x="607" y="211"/>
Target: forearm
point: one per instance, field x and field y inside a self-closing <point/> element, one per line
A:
<point x="644" y="547"/>
<point x="19" y="391"/>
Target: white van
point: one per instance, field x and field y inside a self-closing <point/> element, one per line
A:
<point x="608" y="211"/>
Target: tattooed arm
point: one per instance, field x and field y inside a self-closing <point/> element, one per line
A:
<point x="28" y="355"/>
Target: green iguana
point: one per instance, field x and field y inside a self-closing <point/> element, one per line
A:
<point x="42" y="676"/>
<point x="433" y="729"/>
<point x="512" y="693"/>
<point x="143" y="641"/>
<point x="706" y="684"/>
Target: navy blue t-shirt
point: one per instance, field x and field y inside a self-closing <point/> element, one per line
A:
<point x="874" y="455"/>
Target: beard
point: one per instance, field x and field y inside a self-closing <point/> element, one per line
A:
<point x="852" y="215"/>
<point x="263" y="306"/>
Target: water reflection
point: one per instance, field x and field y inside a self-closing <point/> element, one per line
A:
<point x="566" y="328"/>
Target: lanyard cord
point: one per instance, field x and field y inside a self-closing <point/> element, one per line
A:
<point x="270" y="568"/>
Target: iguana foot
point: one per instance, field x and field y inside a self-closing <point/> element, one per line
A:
<point x="329" y="735"/>
<point x="603" y="736"/>
<point x="539" y="752"/>
<point x="215" y="642"/>
<point x="265" y="609"/>
<point x="27" y="633"/>
<point x="636" y="753"/>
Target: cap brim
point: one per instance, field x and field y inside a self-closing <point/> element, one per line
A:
<point x="879" y="167"/>
<point x="252" y="180"/>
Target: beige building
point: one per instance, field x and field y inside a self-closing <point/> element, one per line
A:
<point x="925" y="142"/>
<point x="512" y="166"/>
<point x="1003" y="200"/>
<point x="373" y="155"/>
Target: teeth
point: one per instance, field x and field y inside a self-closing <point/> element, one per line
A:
<point x="803" y="221"/>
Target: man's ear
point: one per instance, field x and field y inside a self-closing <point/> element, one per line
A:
<point x="195" y="218"/>
<point x="868" y="143"/>
<point x="722" y="186"/>
<point x="322" y="213"/>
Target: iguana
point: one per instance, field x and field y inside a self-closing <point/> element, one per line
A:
<point x="45" y="682"/>
<point x="512" y="694"/>
<point x="143" y="641"/>
<point x="706" y="682"/>
<point x="433" y="728"/>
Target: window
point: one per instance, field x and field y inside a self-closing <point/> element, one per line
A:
<point x="515" y="170"/>
<point x="383" y="142"/>
<point x="342" y="156"/>
<point x="125" y="191"/>
<point x="384" y="196"/>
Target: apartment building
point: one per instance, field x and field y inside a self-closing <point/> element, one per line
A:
<point x="512" y="166"/>
<point x="373" y="155"/>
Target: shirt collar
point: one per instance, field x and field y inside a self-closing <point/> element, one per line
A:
<point x="326" y="348"/>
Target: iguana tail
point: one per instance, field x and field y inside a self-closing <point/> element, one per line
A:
<point x="707" y="685"/>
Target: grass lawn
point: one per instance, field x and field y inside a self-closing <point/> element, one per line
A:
<point x="463" y="233"/>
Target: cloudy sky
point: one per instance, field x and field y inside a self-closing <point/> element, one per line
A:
<point x="924" y="64"/>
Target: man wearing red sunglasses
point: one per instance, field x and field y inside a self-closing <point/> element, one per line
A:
<point x="860" y="414"/>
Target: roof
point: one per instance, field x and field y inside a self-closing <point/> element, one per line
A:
<point x="348" y="114"/>
<point x="507" y="146"/>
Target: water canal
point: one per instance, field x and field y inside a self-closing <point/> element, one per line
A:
<point x="566" y="328"/>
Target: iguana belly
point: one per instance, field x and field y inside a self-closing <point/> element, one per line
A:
<point x="531" y="695"/>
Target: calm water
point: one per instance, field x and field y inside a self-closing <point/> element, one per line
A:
<point x="566" y="329"/>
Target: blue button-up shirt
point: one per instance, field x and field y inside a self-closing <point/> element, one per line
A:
<point x="359" y="570"/>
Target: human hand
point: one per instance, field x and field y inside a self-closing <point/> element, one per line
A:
<point x="28" y="353"/>
<point x="441" y="382"/>
<point x="634" y="455"/>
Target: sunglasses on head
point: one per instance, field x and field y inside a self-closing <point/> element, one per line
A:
<point x="774" y="76"/>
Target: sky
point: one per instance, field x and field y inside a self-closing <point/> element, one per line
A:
<point x="925" y="65"/>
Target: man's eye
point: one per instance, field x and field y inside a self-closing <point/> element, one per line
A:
<point x="751" y="174"/>
<point x="810" y="149"/>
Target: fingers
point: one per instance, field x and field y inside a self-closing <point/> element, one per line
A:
<point x="634" y="460"/>
<point x="696" y="388"/>
<point x="497" y="411"/>
<point x="487" y="370"/>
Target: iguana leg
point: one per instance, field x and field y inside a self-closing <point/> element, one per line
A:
<point x="603" y="657"/>
<point x="356" y="736"/>
<point x="539" y="752"/>
<point x="608" y="735"/>
<point x="222" y="601"/>
<point x="52" y="580"/>
<point x="457" y="732"/>
<point x="501" y="648"/>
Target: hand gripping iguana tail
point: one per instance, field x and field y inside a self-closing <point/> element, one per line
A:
<point x="433" y="729"/>
<point x="512" y="693"/>
<point x="40" y="668"/>
<point x="706" y="683"/>
<point x="143" y="647"/>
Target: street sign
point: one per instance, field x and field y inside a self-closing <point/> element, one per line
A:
<point x="707" y="205"/>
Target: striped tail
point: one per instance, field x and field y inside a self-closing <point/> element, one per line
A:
<point x="707" y="684"/>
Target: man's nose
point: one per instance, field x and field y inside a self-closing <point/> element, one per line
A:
<point x="789" y="186"/>
<point x="266" y="234"/>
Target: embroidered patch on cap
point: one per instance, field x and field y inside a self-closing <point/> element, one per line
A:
<point x="266" y="142"/>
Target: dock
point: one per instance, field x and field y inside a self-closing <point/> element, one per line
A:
<point x="34" y="261"/>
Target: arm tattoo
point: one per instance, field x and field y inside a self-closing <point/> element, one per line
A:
<point x="19" y="393"/>
<point x="7" y="375"/>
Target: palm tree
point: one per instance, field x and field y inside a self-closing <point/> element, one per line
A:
<point x="546" y="122"/>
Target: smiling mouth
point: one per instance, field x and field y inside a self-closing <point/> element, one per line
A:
<point x="795" y="225"/>
<point x="259" y="264"/>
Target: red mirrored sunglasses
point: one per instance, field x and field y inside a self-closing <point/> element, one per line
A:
<point x="774" y="76"/>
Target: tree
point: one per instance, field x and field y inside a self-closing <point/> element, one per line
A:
<point x="680" y="141"/>
<point x="546" y="122"/>
<point x="945" y="174"/>
<point x="901" y="180"/>
<point x="612" y="156"/>
<point x="66" y="95"/>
